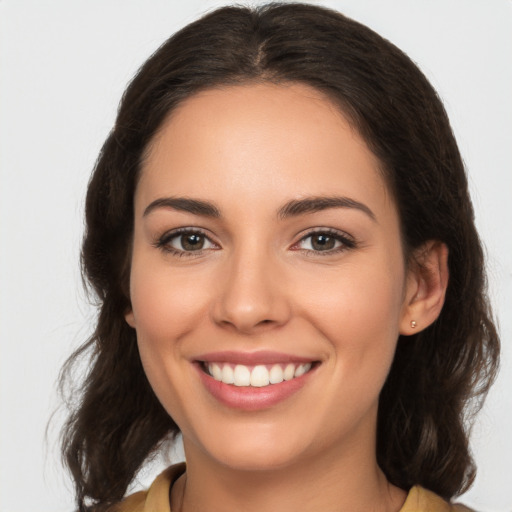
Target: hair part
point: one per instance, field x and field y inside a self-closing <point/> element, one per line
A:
<point x="439" y="376"/>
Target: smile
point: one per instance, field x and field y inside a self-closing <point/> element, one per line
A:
<point x="254" y="381"/>
<point x="257" y="376"/>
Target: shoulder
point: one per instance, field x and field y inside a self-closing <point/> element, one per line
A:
<point x="156" y="497"/>
<point x="422" y="500"/>
<point x="133" y="503"/>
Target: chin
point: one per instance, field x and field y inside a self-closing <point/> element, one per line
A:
<point x="256" y="459"/>
<point x="253" y="449"/>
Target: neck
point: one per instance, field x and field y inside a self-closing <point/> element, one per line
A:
<point x="350" y="482"/>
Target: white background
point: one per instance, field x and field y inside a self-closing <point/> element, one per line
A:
<point x="63" y="67"/>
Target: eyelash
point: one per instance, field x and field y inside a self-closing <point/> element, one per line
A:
<point x="163" y="242"/>
<point x="347" y="242"/>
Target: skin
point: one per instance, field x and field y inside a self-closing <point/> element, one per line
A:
<point x="259" y="284"/>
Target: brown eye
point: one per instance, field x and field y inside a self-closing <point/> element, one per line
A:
<point x="192" y="242"/>
<point x="185" y="242"/>
<point x="326" y="242"/>
<point x="322" y="242"/>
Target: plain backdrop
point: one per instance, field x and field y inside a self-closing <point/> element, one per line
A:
<point x="63" y="67"/>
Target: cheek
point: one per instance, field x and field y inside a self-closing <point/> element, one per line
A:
<point x="360" y="298"/>
<point x="165" y="306"/>
<point x="358" y="313"/>
<point x="165" y="309"/>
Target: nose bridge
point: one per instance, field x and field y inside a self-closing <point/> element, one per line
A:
<point x="251" y="295"/>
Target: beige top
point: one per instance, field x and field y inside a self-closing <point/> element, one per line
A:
<point x="156" y="499"/>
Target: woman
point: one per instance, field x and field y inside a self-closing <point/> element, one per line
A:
<point x="281" y="239"/>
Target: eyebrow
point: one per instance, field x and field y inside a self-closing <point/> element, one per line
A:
<point x="292" y="208"/>
<point x="183" y="204"/>
<point x="315" y="204"/>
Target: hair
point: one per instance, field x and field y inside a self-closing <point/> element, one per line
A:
<point x="439" y="376"/>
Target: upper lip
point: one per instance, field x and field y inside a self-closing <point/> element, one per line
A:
<point x="252" y="358"/>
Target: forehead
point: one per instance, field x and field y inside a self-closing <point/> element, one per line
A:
<point x="260" y="142"/>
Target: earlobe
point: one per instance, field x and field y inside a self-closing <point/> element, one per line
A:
<point x="130" y="318"/>
<point x="427" y="281"/>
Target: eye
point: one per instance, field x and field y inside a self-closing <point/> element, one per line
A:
<point x="327" y="241"/>
<point x="185" y="241"/>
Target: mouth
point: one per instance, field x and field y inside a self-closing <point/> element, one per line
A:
<point x="256" y="376"/>
<point x="254" y="381"/>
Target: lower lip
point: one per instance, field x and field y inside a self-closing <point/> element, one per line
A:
<point x="250" y="398"/>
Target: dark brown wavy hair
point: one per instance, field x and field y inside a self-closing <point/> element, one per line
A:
<point x="439" y="376"/>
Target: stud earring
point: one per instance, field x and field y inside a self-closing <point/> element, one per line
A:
<point x="413" y="324"/>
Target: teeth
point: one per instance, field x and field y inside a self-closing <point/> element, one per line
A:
<point x="259" y="376"/>
<point x="242" y="375"/>
<point x="289" y="372"/>
<point x="302" y="369"/>
<point x="227" y="375"/>
<point x="276" y="374"/>
<point x="216" y="371"/>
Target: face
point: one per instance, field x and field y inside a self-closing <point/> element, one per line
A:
<point x="268" y="283"/>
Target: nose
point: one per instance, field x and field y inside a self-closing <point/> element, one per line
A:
<point x="252" y="295"/>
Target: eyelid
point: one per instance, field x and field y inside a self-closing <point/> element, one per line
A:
<point x="162" y="241"/>
<point x="347" y="241"/>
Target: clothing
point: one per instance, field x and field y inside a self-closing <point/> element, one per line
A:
<point x="156" y="499"/>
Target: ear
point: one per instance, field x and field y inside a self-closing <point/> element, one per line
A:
<point x="427" y="280"/>
<point x="130" y="318"/>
